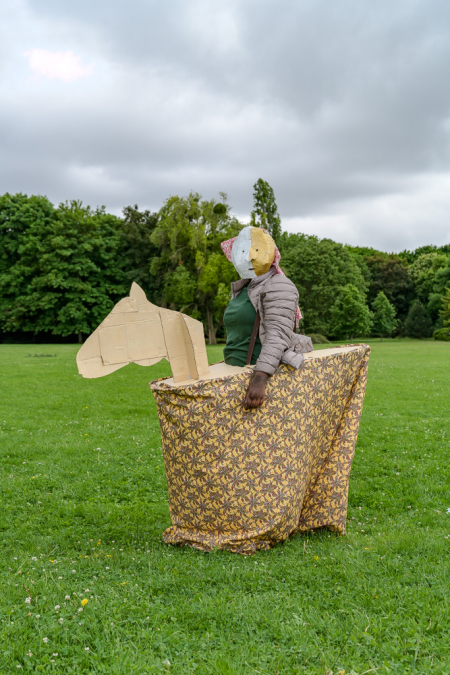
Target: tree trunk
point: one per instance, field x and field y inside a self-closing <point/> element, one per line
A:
<point x="80" y="338"/>
<point x="211" y="329"/>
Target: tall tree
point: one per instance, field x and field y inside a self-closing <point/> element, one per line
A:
<point x="444" y="332"/>
<point x="265" y="210"/>
<point x="195" y="274"/>
<point x="22" y="219"/>
<point x="383" y="316"/>
<point x="418" y="322"/>
<point x="441" y="282"/>
<point x="137" y="249"/>
<point x="350" y="315"/>
<point x="67" y="275"/>
<point x="391" y="275"/>
<point x="319" y="268"/>
<point x="423" y="273"/>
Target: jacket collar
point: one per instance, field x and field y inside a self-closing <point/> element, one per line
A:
<point x="237" y="286"/>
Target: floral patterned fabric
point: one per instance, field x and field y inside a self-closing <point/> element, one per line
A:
<point x="243" y="480"/>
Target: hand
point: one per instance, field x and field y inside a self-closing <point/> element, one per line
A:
<point x="256" y="390"/>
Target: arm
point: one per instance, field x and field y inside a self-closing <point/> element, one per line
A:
<point x="279" y="306"/>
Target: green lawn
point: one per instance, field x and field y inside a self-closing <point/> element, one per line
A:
<point x="84" y="504"/>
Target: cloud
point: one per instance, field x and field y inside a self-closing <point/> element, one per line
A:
<point x="64" y="66"/>
<point x="344" y="109"/>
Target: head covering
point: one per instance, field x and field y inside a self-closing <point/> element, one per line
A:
<point x="226" y="247"/>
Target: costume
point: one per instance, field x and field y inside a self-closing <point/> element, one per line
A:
<point x="242" y="479"/>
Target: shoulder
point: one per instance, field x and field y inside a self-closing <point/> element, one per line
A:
<point x="279" y="283"/>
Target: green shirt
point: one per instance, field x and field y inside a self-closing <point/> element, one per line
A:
<point x="239" y="319"/>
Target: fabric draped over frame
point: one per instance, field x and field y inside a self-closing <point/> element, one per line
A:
<point x="243" y="480"/>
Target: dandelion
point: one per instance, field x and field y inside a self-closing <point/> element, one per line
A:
<point x="28" y="601"/>
<point x="45" y="640"/>
<point x="84" y="602"/>
<point x="67" y="597"/>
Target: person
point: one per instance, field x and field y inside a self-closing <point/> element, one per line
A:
<point x="263" y="288"/>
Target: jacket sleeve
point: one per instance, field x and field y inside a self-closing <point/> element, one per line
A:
<point x="278" y="304"/>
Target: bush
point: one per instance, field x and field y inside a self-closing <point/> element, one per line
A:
<point x="442" y="334"/>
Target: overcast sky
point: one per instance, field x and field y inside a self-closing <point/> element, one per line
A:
<point x="343" y="107"/>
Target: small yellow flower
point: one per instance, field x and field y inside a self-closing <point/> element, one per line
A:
<point x="84" y="602"/>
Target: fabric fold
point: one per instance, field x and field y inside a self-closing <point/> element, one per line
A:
<point x="244" y="480"/>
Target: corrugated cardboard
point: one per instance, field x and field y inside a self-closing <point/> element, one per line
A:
<point x="136" y="331"/>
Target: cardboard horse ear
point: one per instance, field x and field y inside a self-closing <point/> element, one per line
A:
<point x="136" y="331"/>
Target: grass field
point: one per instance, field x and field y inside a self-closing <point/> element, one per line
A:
<point x="84" y="504"/>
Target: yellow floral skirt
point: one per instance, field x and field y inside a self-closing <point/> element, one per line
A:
<point x="242" y="480"/>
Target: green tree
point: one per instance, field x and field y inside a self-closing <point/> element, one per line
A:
<point x="391" y="275"/>
<point x="265" y="210"/>
<point x="444" y="333"/>
<point x="319" y="268"/>
<point x="423" y="273"/>
<point x="350" y="315"/>
<point x="383" y="317"/>
<point x="66" y="273"/>
<point x="195" y="274"/>
<point x="137" y="249"/>
<point x="418" y="323"/>
<point x="21" y="220"/>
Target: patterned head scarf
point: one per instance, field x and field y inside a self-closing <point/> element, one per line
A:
<point x="228" y="245"/>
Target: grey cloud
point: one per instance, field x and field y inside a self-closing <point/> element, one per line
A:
<point x="335" y="105"/>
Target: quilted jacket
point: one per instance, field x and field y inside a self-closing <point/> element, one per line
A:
<point x="276" y="299"/>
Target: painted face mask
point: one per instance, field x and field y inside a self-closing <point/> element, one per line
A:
<point x="253" y="252"/>
<point x="228" y="247"/>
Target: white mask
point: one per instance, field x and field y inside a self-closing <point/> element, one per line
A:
<point x="253" y="252"/>
<point x="240" y="254"/>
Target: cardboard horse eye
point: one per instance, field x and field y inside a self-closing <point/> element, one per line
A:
<point x="136" y="331"/>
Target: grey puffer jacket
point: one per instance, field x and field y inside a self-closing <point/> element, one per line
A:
<point x="276" y="299"/>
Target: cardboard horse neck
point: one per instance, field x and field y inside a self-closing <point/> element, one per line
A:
<point x="136" y="331"/>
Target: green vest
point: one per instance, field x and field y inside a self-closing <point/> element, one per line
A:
<point x="239" y="319"/>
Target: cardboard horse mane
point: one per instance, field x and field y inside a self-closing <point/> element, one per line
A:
<point x="136" y="331"/>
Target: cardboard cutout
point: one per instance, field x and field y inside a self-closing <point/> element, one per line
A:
<point x="253" y="252"/>
<point x="136" y="331"/>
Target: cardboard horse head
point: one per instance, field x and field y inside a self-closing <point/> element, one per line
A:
<point x="138" y="332"/>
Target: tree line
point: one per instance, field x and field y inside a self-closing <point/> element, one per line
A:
<point x="62" y="269"/>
